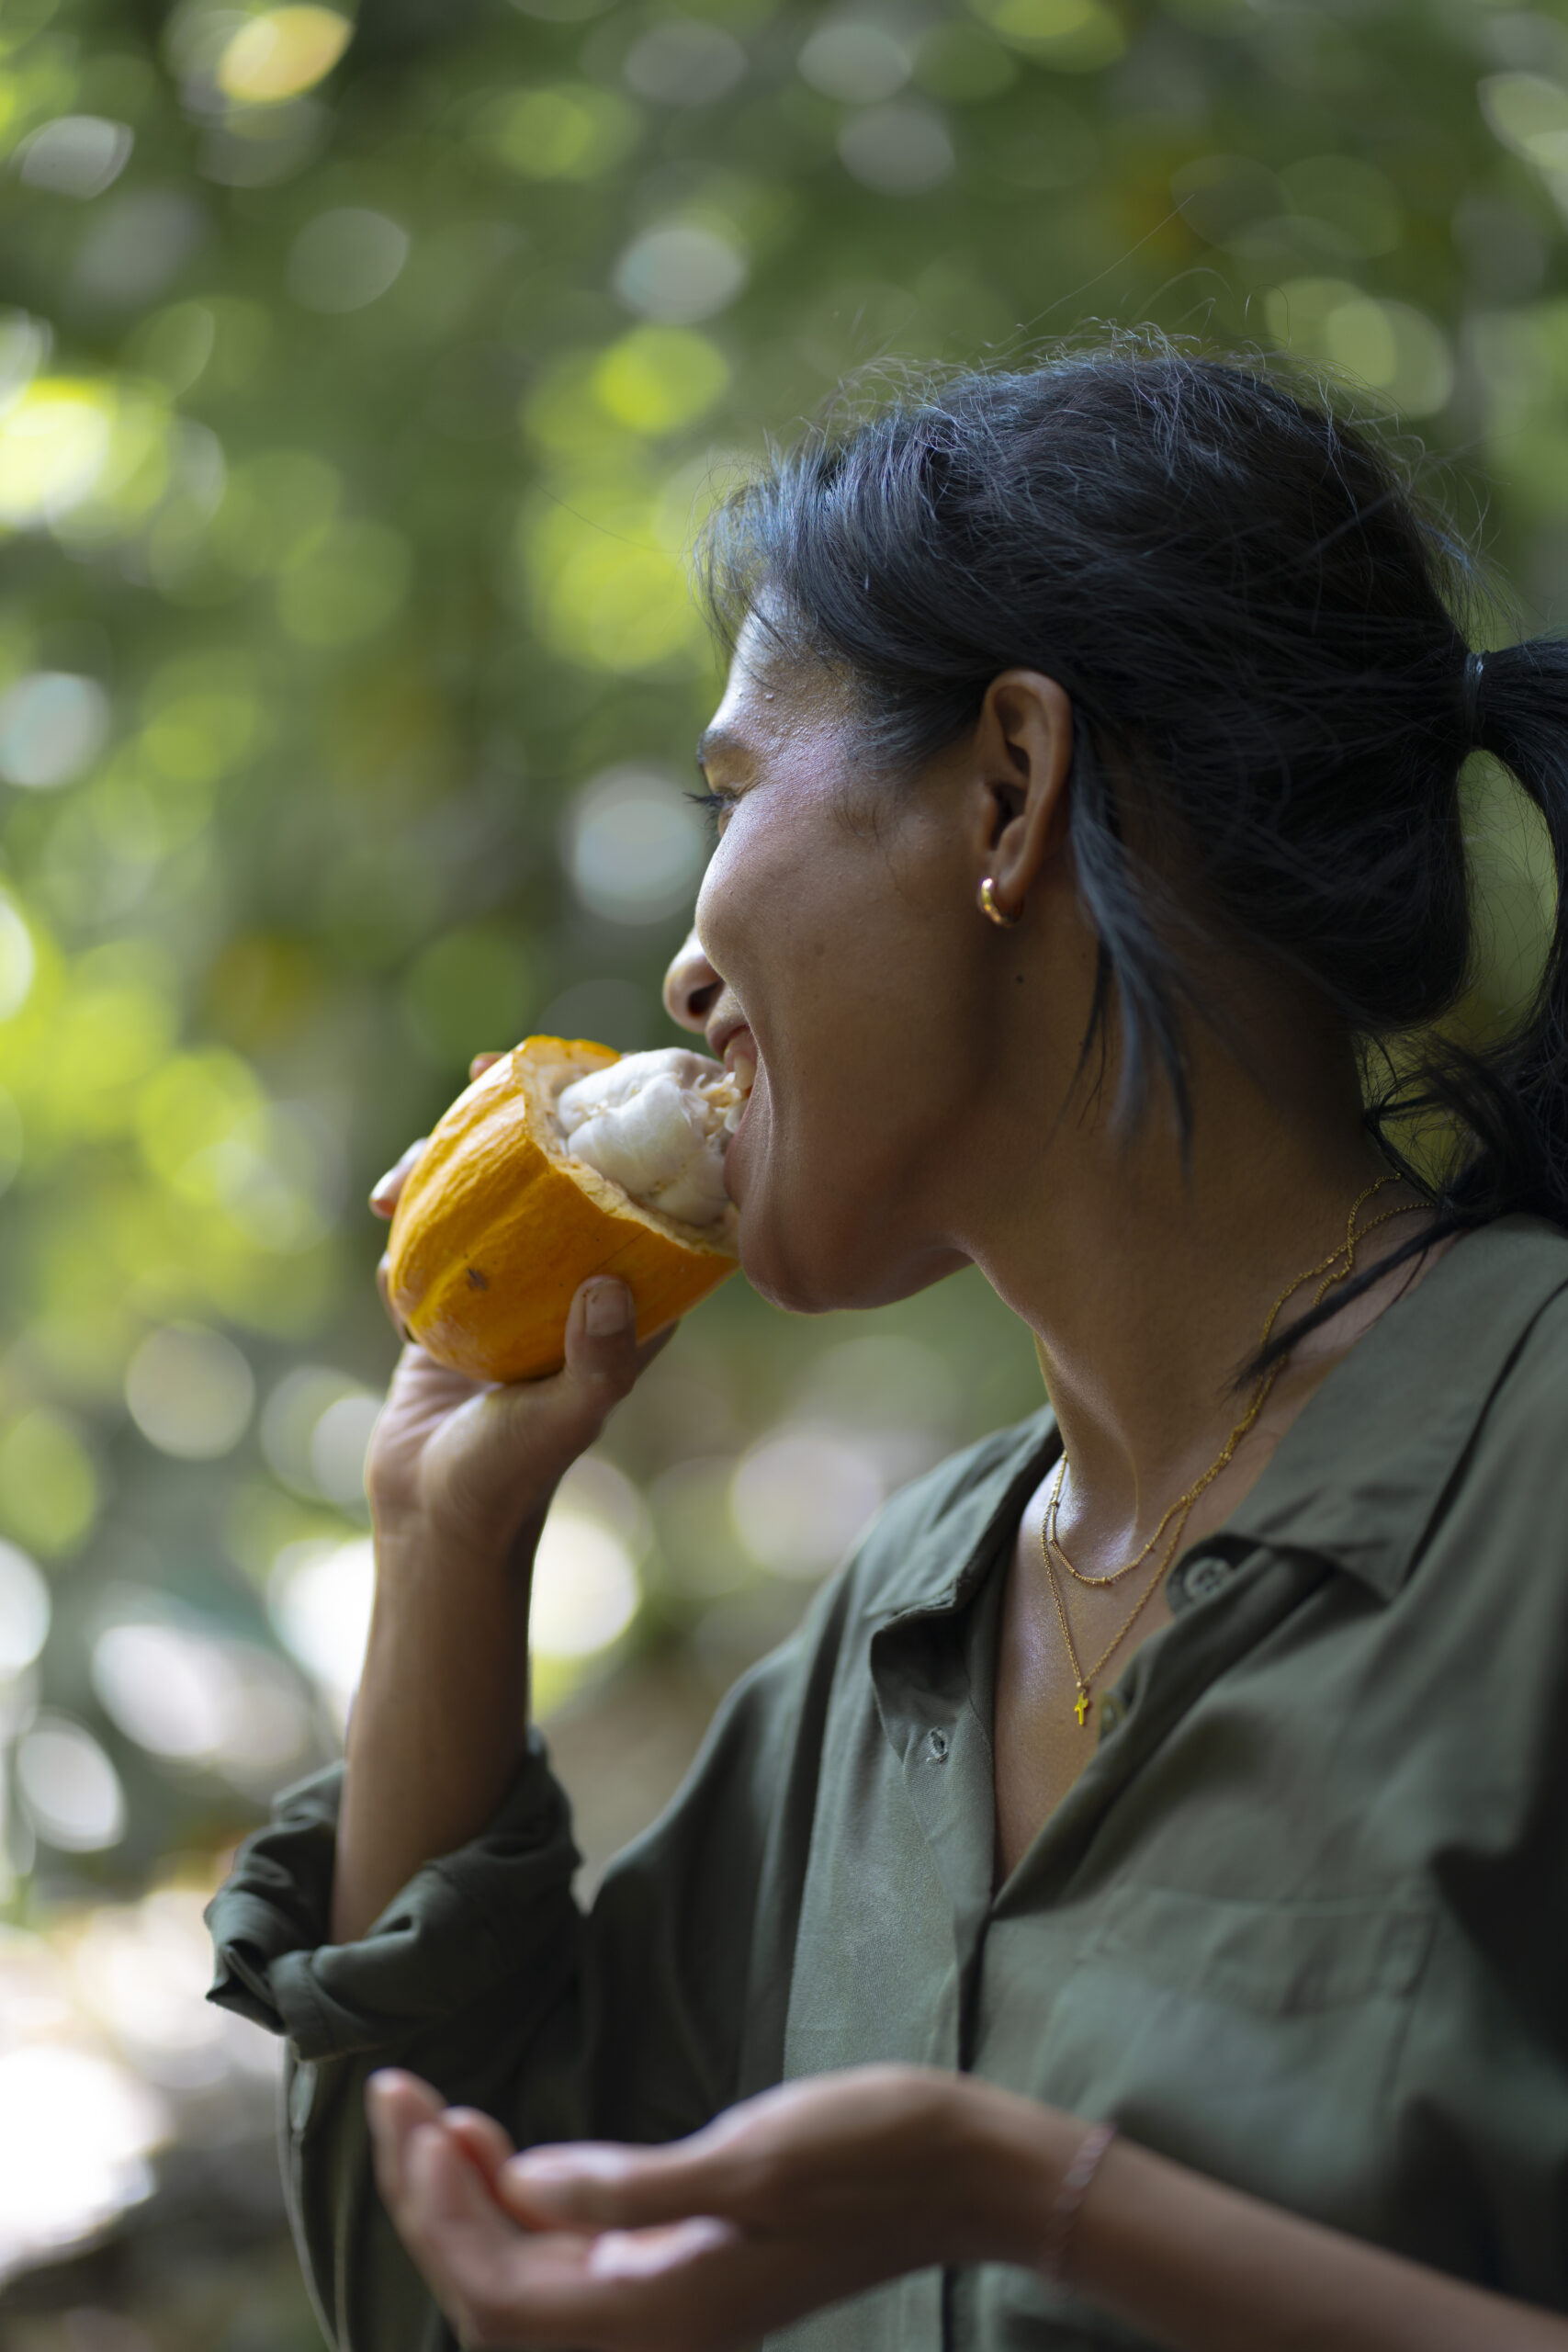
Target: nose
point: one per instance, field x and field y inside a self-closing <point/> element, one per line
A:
<point x="691" y="986"/>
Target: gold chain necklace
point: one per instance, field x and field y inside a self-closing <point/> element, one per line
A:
<point x="1331" y="1271"/>
<point x="1049" y="1538"/>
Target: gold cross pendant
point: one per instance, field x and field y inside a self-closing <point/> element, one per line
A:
<point x="1080" y="1705"/>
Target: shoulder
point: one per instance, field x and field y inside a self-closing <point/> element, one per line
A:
<point x="1484" y="1379"/>
<point x="1527" y="1409"/>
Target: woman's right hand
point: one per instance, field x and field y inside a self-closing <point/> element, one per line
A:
<point x="466" y="1464"/>
<point x="459" y="1478"/>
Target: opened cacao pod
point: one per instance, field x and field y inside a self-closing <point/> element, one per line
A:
<point x="564" y="1159"/>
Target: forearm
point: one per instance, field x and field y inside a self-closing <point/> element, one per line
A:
<point x="1200" y="2268"/>
<point x="439" y="1724"/>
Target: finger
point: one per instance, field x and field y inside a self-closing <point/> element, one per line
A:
<point x="387" y="1189"/>
<point x="481" y="2140"/>
<point x="603" y="1358"/>
<point x="496" y="2286"/>
<point x="699" y="2281"/>
<point x="596" y="2186"/>
<point x="451" y="2225"/>
<point x="561" y="1413"/>
<point x="600" y="1329"/>
<point x="653" y="2254"/>
<point x="480" y="1063"/>
<point x="395" y="2104"/>
<point x="602" y="1344"/>
<point x="384" y="1285"/>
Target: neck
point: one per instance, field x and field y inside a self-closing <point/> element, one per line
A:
<point x="1147" y="1285"/>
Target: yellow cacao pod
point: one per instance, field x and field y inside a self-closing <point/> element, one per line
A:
<point x="499" y="1223"/>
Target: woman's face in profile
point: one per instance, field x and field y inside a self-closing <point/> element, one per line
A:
<point x="834" y="935"/>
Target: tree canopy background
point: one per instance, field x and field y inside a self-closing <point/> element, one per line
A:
<point x="360" y="384"/>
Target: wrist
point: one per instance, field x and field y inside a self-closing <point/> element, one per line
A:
<point x="431" y="1552"/>
<point x="1016" y="2154"/>
<point x="1058" y="2261"/>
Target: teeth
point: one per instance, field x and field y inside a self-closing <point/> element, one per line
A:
<point x="728" y="1094"/>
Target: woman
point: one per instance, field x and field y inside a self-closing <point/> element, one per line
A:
<point x="1131" y="1910"/>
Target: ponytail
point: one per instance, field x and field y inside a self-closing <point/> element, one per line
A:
<point x="1512" y="1099"/>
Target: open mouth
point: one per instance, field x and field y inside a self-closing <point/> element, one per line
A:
<point x="740" y="1069"/>
<point x="740" y="1057"/>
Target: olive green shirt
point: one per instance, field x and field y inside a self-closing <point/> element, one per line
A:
<point x="1302" y="1923"/>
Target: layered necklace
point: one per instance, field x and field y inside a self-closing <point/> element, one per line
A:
<point x="1337" y="1267"/>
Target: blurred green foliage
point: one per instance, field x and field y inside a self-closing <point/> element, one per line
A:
<point x="359" y="387"/>
<point x="360" y="383"/>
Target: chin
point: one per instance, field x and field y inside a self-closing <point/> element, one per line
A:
<point x="785" y="1269"/>
<point x="815" y="1236"/>
<point x="792" y="1263"/>
<point x="804" y="1268"/>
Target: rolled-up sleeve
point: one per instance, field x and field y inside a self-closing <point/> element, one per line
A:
<point x="499" y="1909"/>
<point x="640" y="2021"/>
<point x="468" y="1977"/>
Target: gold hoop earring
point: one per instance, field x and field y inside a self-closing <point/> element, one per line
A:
<point x="988" y="905"/>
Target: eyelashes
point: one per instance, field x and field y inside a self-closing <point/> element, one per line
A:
<point x="714" y="805"/>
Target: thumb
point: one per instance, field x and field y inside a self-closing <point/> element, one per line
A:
<point x="496" y="1457"/>
<point x="559" y="1416"/>
<point x="604" y="1356"/>
<point x="600" y="1329"/>
<point x="564" y="1411"/>
<point x="593" y="2187"/>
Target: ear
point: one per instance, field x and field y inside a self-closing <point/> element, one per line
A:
<point x="1023" y="756"/>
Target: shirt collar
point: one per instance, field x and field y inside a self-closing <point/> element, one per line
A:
<point x="1357" y="1475"/>
<point x="974" y="1514"/>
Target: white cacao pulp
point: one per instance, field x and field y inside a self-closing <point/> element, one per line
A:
<point x="657" y="1125"/>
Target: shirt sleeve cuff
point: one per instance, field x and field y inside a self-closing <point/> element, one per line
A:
<point x="499" y="1905"/>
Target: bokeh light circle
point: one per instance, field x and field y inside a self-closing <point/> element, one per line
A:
<point x="25" y="1612"/>
<point x="190" y="1392"/>
<point x="69" y="1788"/>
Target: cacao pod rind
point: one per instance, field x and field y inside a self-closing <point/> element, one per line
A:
<point x="496" y="1227"/>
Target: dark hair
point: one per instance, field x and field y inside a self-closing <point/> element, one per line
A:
<point x="1262" y="634"/>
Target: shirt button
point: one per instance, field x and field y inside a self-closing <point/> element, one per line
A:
<point x="1112" y="1711"/>
<point x="1203" y="1578"/>
<point x="936" y="1746"/>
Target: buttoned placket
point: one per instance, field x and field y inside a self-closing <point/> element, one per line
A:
<point x="923" y="1674"/>
<point x="924" y="1694"/>
<point x="931" y="1694"/>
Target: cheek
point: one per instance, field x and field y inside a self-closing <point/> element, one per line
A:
<point x="837" y="957"/>
<point x="763" y="916"/>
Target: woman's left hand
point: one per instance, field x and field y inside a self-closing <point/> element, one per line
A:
<point x="796" y="2199"/>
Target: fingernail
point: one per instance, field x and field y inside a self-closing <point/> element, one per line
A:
<point x="383" y="1184"/>
<point x="609" y="1309"/>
